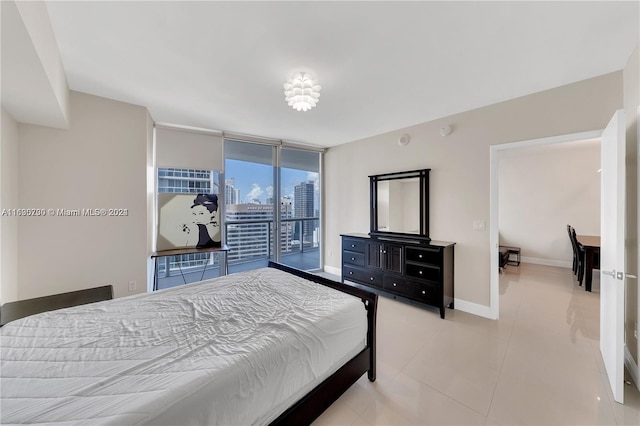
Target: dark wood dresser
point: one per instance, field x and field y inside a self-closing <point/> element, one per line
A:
<point x="408" y="270"/>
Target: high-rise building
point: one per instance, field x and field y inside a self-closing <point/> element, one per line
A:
<point x="303" y="207"/>
<point x="187" y="180"/>
<point x="249" y="240"/>
<point x="287" y="228"/>
<point x="253" y="240"/>
<point x="231" y="194"/>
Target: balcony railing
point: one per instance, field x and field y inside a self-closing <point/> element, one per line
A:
<point x="251" y="246"/>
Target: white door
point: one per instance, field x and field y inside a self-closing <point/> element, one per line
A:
<point x="612" y="254"/>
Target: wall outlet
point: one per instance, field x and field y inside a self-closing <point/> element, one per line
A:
<point x="132" y="286"/>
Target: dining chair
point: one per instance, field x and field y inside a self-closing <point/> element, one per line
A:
<point x="573" y="247"/>
<point x="580" y="255"/>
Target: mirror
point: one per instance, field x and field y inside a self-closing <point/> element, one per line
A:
<point x="400" y="204"/>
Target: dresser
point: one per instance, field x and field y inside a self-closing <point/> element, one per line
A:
<point x="413" y="271"/>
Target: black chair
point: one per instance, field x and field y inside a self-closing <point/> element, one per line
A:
<point x="503" y="257"/>
<point x="580" y="255"/>
<point x="573" y="247"/>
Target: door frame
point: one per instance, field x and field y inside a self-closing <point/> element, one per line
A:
<point x="494" y="304"/>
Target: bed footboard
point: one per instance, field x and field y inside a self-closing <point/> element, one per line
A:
<point x="307" y="409"/>
<point x="12" y="311"/>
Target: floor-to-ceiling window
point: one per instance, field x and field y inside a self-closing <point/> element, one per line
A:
<point x="300" y="208"/>
<point x="272" y="205"/>
<point x="249" y="204"/>
<point x="187" y="268"/>
<point x="188" y="161"/>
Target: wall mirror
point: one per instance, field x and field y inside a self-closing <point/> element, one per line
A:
<point x="400" y="205"/>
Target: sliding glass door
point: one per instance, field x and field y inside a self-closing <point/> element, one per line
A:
<point x="271" y="205"/>
<point x="300" y="208"/>
<point x="250" y="173"/>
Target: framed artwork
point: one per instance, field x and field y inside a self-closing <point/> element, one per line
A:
<point x="188" y="220"/>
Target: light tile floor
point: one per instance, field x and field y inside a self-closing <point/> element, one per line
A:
<point x="538" y="365"/>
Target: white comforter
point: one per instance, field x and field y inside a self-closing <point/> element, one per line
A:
<point x="235" y="350"/>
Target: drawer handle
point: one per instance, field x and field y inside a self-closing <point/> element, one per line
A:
<point x="419" y="256"/>
<point x="420" y="272"/>
<point x="350" y="272"/>
<point x="371" y="278"/>
<point x="394" y="284"/>
<point x="424" y="292"/>
<point x="353" y="245"/>
<point x="353" y="258"/>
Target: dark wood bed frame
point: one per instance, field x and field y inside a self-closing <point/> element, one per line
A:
<point x="307" y="409"/>
<point x="12" y="311"/>
<point x="303" y="412"/>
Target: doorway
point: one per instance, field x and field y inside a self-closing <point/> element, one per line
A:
<point x="494" y="237"/>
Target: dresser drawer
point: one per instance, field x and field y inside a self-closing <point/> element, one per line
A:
<point x="352" y="244"/>
<point x="394" y="284"/>
<point x="422" y="292"/>
<point x="423" y="271"/>
<point x="426" y="293"/>
<point x="362" y="275"/>
<point x="424" y="255"/>
<point x="353" y="258"/>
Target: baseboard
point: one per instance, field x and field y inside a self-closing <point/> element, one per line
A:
<point x="333" y="270"/>
<point x="473" y="308"/>
<point x="547" y="262"/>
<point x="459" y="304"/>
<point x="631" y="365"/>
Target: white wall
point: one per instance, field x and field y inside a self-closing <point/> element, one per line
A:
<point x="459" y="169"/>
<point x="8" y="200"/>
<point x="541" y="190"/>
<point x="101" y="161"/>
<point x="34" y="85"/>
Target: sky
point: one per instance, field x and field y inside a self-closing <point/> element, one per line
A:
<point x="255" y="181"/>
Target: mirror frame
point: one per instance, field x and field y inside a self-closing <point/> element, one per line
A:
<point x="423" y="177"/>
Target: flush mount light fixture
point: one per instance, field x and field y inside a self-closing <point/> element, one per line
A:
<point x="302" y="91"/>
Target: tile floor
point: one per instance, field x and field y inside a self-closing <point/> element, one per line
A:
<point x="538" y="365"/>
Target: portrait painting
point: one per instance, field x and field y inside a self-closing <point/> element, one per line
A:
<point x="188" y="220"/>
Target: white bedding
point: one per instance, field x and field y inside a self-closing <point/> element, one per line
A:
<point x="238" y="349"/>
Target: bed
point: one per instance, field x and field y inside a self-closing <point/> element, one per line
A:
<point x="269" y="346"/>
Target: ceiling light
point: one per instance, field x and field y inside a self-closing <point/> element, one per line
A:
<point x="301" y="91"/>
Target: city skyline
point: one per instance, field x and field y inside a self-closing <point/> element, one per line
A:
<point x="255" y="181"/>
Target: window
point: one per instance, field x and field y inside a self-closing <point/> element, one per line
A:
<point x="300" y="208"/>
<point x="272" y="205"/>
<point x="182" y="269"/>
<point x="269" y="196"/>
<point x="249" y="211"/>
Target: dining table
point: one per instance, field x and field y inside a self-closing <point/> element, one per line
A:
<point x="591" y="244"/>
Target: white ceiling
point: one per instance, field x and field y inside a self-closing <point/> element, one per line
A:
<point x="382" y="65"/>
